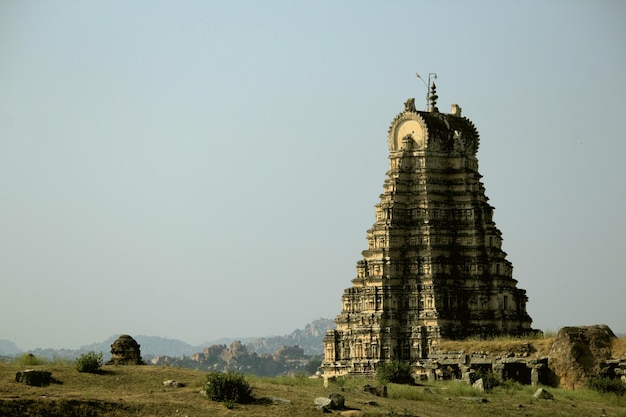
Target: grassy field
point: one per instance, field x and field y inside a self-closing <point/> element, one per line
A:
<point x="124" y="391"/>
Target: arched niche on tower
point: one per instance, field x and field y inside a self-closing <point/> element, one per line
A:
<point x="408" y="131"/>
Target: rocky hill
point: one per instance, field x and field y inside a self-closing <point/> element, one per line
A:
<point x="8" y="348"/>
<point x="310" y="339"/>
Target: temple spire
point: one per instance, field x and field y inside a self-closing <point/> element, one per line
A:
<point x="434" y="267"/>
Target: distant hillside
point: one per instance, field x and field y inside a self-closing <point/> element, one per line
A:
<point x="149" y="345"/>
<point x="310" y="339"/>
<point x="8" y="348"/>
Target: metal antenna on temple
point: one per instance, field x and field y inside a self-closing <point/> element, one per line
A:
<point x="432" y="75"/>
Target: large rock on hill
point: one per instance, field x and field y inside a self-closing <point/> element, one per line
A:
<point x="579" y="353"/>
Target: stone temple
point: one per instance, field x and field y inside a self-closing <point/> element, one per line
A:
<point x="433" y="268"/>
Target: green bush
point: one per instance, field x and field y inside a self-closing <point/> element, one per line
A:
<point x="313" y="365"/>
<point x="89" y="362"/>
<point x="607" y="385"/>
<point x="28" y="359"/>
<point x="489" y="379"/>
<point x="229" y="388"/>
<point x="396" y="372"/>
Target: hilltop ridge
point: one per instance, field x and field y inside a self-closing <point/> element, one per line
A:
<point x="309" y="338"/>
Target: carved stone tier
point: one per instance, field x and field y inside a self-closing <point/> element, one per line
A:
<point x="433" y="267"/>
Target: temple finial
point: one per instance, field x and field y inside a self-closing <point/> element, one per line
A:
<point x="433" y="98"/>
<point x="431" y="76"/>
<point x="409" y="105"/>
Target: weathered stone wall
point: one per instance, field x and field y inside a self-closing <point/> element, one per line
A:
<point x="577" y="354"/>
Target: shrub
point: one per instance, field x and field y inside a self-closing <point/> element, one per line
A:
<point x="607" y="385"/>
<point x="313" y="365"/>
<point x="396" y="372"/>
<point x="28" y="359"/>
<point x="89" y="362"/>
<point x="489" y="379"/>
<point x="229" y="388"/>
<point x="510" y="386"/>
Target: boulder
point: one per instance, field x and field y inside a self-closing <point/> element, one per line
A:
<point x="322" y="402"/>
<point x="579" y="353"/>
<point x="479" y="385"/>
<point x="34" y="378"/>
<point x="337" y="401"/>
<point x="125" y="351"/>
<point x="378" y="391"/>
<point x="542" y="394"/>
<point x="173" y="383"/>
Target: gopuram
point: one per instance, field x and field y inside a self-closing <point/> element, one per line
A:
<point x="433" y="267"/>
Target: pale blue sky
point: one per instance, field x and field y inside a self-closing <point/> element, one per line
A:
<point x="198" y="170"/>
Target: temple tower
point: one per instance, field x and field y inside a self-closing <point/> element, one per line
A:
<point x="433" y="267"/>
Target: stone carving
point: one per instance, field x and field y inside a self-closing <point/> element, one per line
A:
<point x="125" y="351"/>
<point x="434" y="265"/>
<point x="409" y="105"/>
<point x="579" y="353"/>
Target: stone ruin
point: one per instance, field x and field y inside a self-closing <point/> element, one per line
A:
<point x="125" y="351"/>
<point x="577" y="354"/>
<point x="434" y="266"/>
<point x="504" y="366"/>
<point x="35" y="378"/>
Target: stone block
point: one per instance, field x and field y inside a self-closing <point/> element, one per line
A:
<point x="34" y="378"/>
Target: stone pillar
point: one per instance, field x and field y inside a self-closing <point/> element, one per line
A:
<point x="467" y="373"/>
<point x="429" y="369"/>
<point x="498" y="370"/>
<point x="534" y="375"/>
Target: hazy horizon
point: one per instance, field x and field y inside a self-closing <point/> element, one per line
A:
<point x="189" y="169"/>
<point x="204" y="343"/>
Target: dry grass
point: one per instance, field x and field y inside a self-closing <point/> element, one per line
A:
<point x="619" y="347"/>
<point x="535" y="346"/>
<point x="137" y="391"/>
